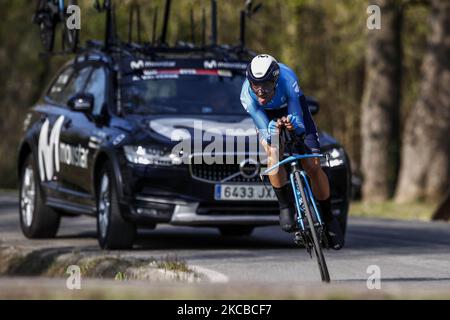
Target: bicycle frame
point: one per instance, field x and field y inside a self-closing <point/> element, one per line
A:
<point x="293" y="161"/>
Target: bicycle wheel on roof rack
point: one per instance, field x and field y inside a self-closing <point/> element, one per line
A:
<point x="313" y="231"/>
<point x="44" y="19"/>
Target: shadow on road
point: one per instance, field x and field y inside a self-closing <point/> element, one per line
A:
<point x="191" y="238"/>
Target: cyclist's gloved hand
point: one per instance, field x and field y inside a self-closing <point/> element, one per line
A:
<point x="296" y="121"/>
<point x="271" y="131"/>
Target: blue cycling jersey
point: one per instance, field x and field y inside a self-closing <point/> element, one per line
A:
<point x="287" y="94"/>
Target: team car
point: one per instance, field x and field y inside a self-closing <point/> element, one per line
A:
<point x="141" y="140"/>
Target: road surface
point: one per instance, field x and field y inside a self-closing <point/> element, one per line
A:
<point x="410" y="255"/>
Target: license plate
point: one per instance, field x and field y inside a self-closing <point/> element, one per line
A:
<point x="240" y="192"/>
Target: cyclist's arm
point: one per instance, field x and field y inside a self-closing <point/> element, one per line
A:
<point x="295" y="114"/>
<point x="257" y="113"/>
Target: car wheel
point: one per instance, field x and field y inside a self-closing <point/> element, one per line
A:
<point x="113" y="231"/>
<point x="236" y="230"/>
<point x="36" y="219"/>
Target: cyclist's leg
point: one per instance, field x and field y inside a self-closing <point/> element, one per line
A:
<point x="278" y="178"/>
<point x="279" y="181"/>
<point x="321" y="189"/>
<point x="319" y="180"/>
<point x="283" y="191"/>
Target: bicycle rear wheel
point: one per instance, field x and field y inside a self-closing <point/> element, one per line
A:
<point x="316" y="243"/>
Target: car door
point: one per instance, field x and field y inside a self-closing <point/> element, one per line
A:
<point x="86" y="133"/>
<point x="56" y="119"/>
<point x="71" y="152"/>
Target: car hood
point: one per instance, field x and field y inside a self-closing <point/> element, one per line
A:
<point x="177" y="128"/>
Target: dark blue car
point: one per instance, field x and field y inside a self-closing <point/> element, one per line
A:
<point x="141" y="140"/>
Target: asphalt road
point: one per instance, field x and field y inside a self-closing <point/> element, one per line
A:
<point x="411" y="255"/>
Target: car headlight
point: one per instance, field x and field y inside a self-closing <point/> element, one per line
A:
<point x="335" y="158"/>
<point x="151" y="156"/>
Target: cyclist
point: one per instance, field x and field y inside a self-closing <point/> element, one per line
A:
<point x="273" y="98"/>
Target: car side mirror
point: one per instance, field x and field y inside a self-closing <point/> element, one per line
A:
<point x="83" y="102"/>
<point x="313" y="105"/>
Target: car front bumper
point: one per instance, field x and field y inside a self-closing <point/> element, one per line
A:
<point x="172" y="195"/>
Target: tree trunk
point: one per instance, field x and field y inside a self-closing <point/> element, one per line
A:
<point x="443" y="211"/>
<point x="425" y="167"/>
<point x="380" y="105"/>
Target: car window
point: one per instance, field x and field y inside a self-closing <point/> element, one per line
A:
<point x="187" y="93"/>
<point x="76" y="85"/>
<point x="96" y="87"/>
<point x="60" y="84"/>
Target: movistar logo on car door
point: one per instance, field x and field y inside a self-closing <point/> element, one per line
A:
<point x="51" y="153"/>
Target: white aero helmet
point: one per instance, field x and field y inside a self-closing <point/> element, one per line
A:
<point x="263" y="68"/>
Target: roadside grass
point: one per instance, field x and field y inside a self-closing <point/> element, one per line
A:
<point x="172" y="263"/>
<point x="15" y="261"/>
<point x="390" y="210"/>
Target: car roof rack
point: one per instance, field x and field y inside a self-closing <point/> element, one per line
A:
<point x="159" y="47"/>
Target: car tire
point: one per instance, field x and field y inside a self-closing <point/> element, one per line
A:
<point x="36" y="219"/>
<point x="236" y="230"/>
<point x="113" y="231"/>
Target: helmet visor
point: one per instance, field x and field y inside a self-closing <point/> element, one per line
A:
<point x="263" y="88"/>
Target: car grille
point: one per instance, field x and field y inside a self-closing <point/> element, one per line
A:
<point x="217" y="172"/>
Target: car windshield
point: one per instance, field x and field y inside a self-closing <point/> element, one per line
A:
<point x="172" y="92"/>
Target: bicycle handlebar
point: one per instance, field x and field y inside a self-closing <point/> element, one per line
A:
<point x="289" y="138"/>
<point x="293" y="158"/>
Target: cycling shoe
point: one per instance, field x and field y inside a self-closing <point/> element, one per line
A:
<point x="334" y="234"/>
<point x="287" y="219"/>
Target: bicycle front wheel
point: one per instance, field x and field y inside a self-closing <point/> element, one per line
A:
<point x="315" y="239"/>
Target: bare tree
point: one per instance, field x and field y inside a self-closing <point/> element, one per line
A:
<point x="380" y="104"/>
<point x="425" y="165"/>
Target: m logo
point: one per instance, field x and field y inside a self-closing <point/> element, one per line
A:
<point x="210" y="64"/>
<point x="48" y="149"/>
<point x="137" y="64"/>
